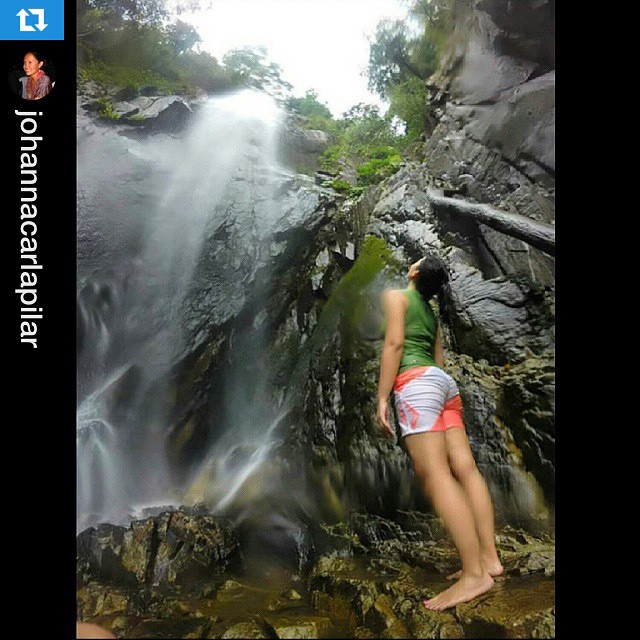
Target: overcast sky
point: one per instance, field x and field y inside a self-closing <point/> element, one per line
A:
<point x="319" y="44"/>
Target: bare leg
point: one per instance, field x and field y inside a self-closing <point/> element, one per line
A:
<point x="475" y="488"/>
<point x="429" y="454"/>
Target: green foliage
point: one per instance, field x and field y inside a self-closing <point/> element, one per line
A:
<point x="106" y="110"/>
<point x="134" y="77"/>
<point x="316" y="114"/>
<point x="390" y="56"/>
<point x="142" y="11"/>
<point x="131" y="43"/>
<point x="365" y="127"/>
<point x="341" y="186"/>
<point x="182" y="37"/>
<point x="407" y="102"/>
<point x="368" y="144"/>
<point x="308" y="105"/>
<point x="383" y="165"/>
<point x="249" y="67"/>
<point x="401" y="59"/>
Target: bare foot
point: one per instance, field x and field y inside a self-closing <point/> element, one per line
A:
<point x="492" y="566"/>
<point x="467" y="588"/>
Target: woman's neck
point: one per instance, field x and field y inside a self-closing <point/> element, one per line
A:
<point x="411" y="286"/>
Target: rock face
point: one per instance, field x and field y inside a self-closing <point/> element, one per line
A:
<point x="300" y="148"/>
<point x="492" y="113"/>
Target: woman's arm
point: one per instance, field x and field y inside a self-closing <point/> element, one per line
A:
<point x="395" y="305"/>
<point x="438" y="351"/>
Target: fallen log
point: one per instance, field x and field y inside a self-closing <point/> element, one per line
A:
<point x="538" y="234"/>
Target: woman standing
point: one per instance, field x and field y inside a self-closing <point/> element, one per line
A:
<point x="36" y="83"/>
<point x="429" y="411"/>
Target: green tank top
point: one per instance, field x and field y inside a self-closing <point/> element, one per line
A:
<point x="420" y="325"/>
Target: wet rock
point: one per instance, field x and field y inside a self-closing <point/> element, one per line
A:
<point x="510" y="610"/>
<point x="542" y="561"/>
<point x="290" y="599"/>
<point x="244" y="630"/>
<point x="193" y="548"/>
<point x="373" y="530"/>
<point x="433" y="624"/>
<point x="156" y="113"/>
<point x="99" y="556"/>
<point x="299" y="627"/>
<point x="527" y="404"/>
<point x="435" y="559"/>
<point x="428" y="525"/>
<point x="187" y="628"/>
<point x="300" y="148"/>
<point x="382" y="619"/>
<point x="100" y="600"/>
<point x="337" y="593"/>
<point x="173" y="548"/>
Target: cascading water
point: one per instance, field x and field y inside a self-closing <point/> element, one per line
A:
<point x="146" y="209"/>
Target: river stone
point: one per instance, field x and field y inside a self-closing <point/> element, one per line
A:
<point x="337" y="592"/>
<point x="535" y="561"/>
<point x="185" y="628"/>
<point x="244" y="630"/>
<point x="299" y="627"/>
<point x="510" y="609"/>
<point x="436" y="559"/>
<point x="373" y="530"/>
<point x="433" y="624"/>
<point x="289" y="599"/>
<point x="382" y="619"/>
<point x="96" y="599"/>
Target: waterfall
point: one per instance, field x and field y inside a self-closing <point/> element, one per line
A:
<point x="147" y="207"/>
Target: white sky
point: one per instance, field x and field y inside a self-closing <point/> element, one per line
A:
<point x="319" y="44"/>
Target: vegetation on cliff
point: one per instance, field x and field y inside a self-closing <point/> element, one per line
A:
<point x="402" y="55"/>
<point x="137" y="43"/>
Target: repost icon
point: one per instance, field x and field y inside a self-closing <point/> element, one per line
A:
<point x="32" y="20"/>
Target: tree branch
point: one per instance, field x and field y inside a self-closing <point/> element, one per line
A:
<point x="538" y="234"/>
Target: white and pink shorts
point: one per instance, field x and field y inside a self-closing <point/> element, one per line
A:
<point x="427" y="399"/>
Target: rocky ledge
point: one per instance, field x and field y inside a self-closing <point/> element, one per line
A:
<point x="187" y="575"/>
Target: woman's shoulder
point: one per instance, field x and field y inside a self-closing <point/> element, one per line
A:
<point x="395" y="293"/>
<point x="395" y="296"/>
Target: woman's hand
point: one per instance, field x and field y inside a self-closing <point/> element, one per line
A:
<point x="383" y="416"/>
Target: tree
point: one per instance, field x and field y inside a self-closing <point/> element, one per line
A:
<point x="401" y="59"/>
<point x="309" y="105"/>
<point x="182" y="36"/>
<point x="250" y="66"/>
<point x="407" y="102"/>
<point x="151" y="12"/>
<point x="390" y="59"/>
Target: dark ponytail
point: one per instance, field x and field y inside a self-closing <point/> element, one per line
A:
<point x="432" y="277"/>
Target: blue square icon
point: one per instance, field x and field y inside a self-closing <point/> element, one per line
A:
<point x="32" y="20"/>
